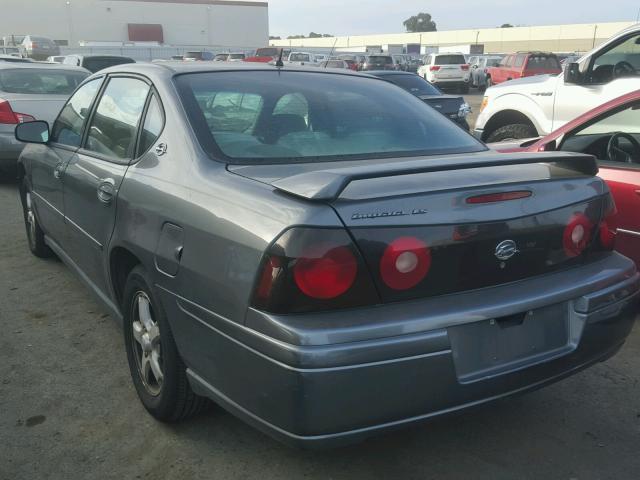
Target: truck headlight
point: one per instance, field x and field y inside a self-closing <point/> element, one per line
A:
<point x="464" y="110"/>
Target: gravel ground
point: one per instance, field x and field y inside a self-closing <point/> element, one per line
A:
<point x="68" y="409"/>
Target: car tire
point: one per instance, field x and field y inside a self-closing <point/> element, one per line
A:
<point x="158" y="373"/>
<point x="512" y="132"/>
<point x="35" y="235"/>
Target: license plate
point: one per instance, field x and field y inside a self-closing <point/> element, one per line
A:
<point x="496" y="346"/>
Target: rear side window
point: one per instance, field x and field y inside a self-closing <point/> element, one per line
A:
<point x="152" y="127"/>
<point x="543" y="62"/>
<point x="450" y="60"/>
<point x="40" y="82"/>
<point x="67" y="129"/>
<point x="115" y="122"/>
<point x="519" y="60"/>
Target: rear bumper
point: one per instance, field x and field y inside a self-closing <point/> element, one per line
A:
<point x="10" y="150"/>
<point x="312" y="385"/>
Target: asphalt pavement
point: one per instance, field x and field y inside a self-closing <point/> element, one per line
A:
<point x="68" y="409"/>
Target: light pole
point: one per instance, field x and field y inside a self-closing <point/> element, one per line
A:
<point x="69" y="22"/>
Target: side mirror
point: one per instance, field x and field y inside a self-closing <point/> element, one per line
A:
<point x="572" y="74"/>
<point x="33" y="132"/>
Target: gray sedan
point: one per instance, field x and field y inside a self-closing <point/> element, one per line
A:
<point x="320" y="252"/>
<point x="31" y="91"/>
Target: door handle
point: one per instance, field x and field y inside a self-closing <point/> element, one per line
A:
<point x="106" y="190"/>
<point x="58" y="171"/>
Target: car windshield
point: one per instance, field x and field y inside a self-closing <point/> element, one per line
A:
<point x="300" y="57"/>
<point x="543" y="62"/>
<point x="96" y="64"/>
<point x="271" y="116"/>
<point x="413" y="84"/>
<point x="380" y="59"/>
<point x="450" y="60"/>
<point x="35" y="81"/>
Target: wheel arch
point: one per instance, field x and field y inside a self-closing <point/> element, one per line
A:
<point x="507" y="117"/>
<point x="121" y="262"/>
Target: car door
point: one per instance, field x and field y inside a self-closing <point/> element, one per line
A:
<point x="600" y="84"/>
<point x="95" y="172"/>
<point x="619" y="167"/>
<point x="47" y="168"/>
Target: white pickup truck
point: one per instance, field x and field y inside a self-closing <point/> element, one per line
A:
<point x="535" y="106"/>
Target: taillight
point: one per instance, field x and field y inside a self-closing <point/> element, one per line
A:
<point x="464" y="67"/>
<point x="577" y="235"/>
<point x="8" y="116"/>
<point x="313" y="269"/>
<point x="606" y="230"/>
<point x="499" y="197"/>
<point x="405" y="263"/>
<point x="434" y="68"/>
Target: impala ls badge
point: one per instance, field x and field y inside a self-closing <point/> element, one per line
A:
<point x="505" y="250"/>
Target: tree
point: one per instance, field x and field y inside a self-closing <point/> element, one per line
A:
<point x="271" y="37"/>
<point x="506" y="25"/>
<point x="295" y="37"/>
<point x="420" y="23"/>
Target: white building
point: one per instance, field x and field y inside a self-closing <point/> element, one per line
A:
<point x="240" y="23"/>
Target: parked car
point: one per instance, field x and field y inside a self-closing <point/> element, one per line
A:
<point x="610" y="132"/>
<point x="536" y="106"/>
<point x="301" y="58"/>
<point x="400" y="63"/>
<point x="56" y="59"/>
<point x="378" y="62"/>
<point x="480" y="68"/>
<point x="446" y="70"/>
<point x="221" y="57"/>
<point x="236" y="57"/>
<point x="95" y="63"/>
<point x="293" y="243"/>
<point x="335" y="63"/>
<point x="523" y="64"/>
<point x="268" y="55"/>
<point x="321" y="57"/>
<point x="39" y="48"/>
<point x="31" y="91"/>
<point x="352" y="60"/>
<point x="11" y="51"/>
<point x="198" y="56"/>
<point x="178" y="58"/>
<point x="413" y="65"/>
<point x="451" y="106"/>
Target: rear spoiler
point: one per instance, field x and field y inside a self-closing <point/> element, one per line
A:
<point x="327" y="185"/>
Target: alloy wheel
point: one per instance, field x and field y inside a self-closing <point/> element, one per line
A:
<point x="146" y="344"/>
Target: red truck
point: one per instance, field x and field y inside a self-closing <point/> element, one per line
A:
<point x="523" y="64"/>
<point x="268" y="54"/>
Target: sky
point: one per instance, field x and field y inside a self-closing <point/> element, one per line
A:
<point x="360" y="17"/>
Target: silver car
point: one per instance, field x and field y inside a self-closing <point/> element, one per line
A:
<point x="320" y="252"/>
<point x="31" y="91"/>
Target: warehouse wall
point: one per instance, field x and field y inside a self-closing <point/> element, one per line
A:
<point x="184" y="22"/>
<point x="560" y="38"/>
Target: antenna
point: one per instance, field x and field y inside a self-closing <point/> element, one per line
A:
<point x="331" y="52"/>
<point x="279" y="62"/>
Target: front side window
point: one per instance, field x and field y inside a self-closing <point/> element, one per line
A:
<point x="67" y="129"/>
<point x="519" y="61"/>
<point x="271" y="116"/>
<point x="622" y="60"/>
<point x="115" y="122"/>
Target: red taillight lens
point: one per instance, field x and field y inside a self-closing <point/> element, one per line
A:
<point x="405" y="263"/>
<point x="577" y="235"/>
<point x="325" y="271"/>
<point x="8" y="116"/>
<point x="607" y="230"/>
<point x="313" y="269"/>
<point x="435" y="68"/>
<point x="464" y="67"/>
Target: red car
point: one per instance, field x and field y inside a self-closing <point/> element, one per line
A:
<point x="611" y="133"/>
<point x="523" y="64"/>
<point x="268" y="54"/>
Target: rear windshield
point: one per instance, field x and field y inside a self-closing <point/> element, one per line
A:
<point x="413" y="83"/>
<point x="36" y="81"/>
<point x="267" y="52"/>
<point x="543" y="62"/>
<point x="99" y="63"/>
<point x="271" y="117"/>
<point x="380" y="59"/>
<point x="450" y="60"/>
